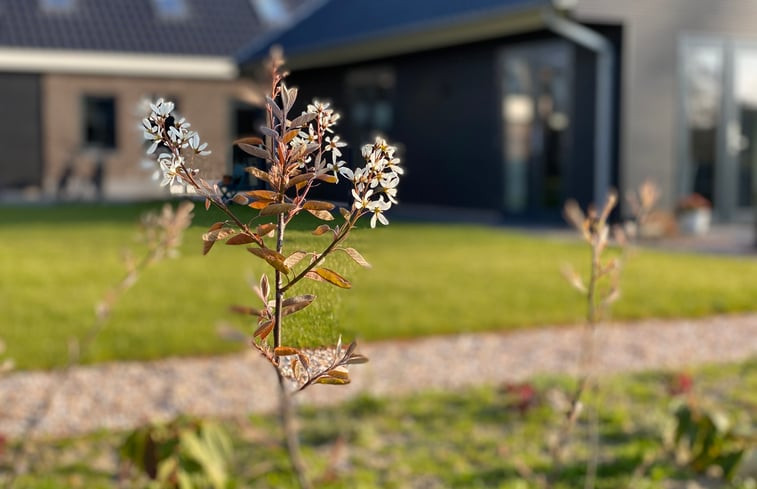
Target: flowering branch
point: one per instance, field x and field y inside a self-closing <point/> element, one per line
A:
<point x="300" y="153"/>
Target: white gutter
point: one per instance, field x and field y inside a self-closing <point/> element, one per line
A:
<point x="29" y="60"/>
<point x="604" y="98"/>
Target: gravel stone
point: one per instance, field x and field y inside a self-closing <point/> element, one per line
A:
<point x="122" y="395"/>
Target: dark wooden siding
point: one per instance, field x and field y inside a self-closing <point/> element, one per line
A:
<point x="20" y="131"/>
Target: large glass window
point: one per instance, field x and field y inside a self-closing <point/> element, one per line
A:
<point x="536" y="84"/>
<point x="100" y="122"/>
<point x="719" y="130"/>
<point x="703" y="92"/>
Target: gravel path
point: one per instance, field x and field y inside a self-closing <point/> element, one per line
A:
<point x="123" y="395"/>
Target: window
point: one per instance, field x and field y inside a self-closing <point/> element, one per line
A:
<point x="370" y="95"/>
<point x="271" y="12"/>
<point x="57" y="5"/>
<point x="171" y="8"/>
<point x="100" y="122"/>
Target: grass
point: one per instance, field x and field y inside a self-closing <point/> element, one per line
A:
<point x="57" y="262"/>
<point x="470" y="439"/>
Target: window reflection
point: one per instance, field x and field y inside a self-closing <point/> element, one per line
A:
<point x="744" y="143"/>
<point x="703" y="94"/>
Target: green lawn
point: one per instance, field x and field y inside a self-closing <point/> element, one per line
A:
<point x="467" y="440"/>
<point x="56" y="262"/>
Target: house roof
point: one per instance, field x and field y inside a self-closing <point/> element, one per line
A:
<point x="340" y="31"/>
<point x="207" y="27"/>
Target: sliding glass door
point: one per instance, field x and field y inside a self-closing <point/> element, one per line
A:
<point x="718" y="148"/>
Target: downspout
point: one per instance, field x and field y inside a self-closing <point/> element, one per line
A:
<point x="603" y="105"/>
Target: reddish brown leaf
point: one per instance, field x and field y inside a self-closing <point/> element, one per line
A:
<point x="273" y="258"/>
<point x="331" y="381"/>
<point x="339" y="373"/>
<point x="303" y="178"/>
<point x="258" y="173"/>
<point x="248" y="311"/>
<point x="266" y="228"/>
<point x="240" y="239"/>
<point x="331" y="277"/>
<point x="285" y="351"/>
<point x="356" y="256"/>
<point x="268" y="195"/>
<point x="275" y="209"/>
<point x="258" y="204"/>
<point x="249" y="140"/>
<point x="328" y="178"/>
<point x="318" y="205"/>
<point x="294" y="258"/>
<point x="322" y="229"/>
<point x="322" y="215"/>
<point x="209" y="238"/>
<point x="264" y="329"/>
<point x="240" y="199"/>
<point x="356" y="359"/>
<point x="207" y="204"/>
<point x="294" y="304"/>
<point x="290" y="135"/>
<point x="345" y="213"/>
<point x="255" y="151"/>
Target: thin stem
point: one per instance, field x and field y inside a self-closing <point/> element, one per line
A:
<point x="337" y="239"/>
<point x="289" y="425"/>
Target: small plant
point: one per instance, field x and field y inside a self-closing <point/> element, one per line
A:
<point x="693" y="202"/>
<point x="600" y="291"/>
<point x="186" y="454"/>
<point x="300" y="153"/>
<point x="704" y="440"/>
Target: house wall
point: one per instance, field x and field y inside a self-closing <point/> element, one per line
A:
<point x="447" y="121"/>
<point x="650" y="85"/>
<point x="20" y="132"/>
<point x="206" y="104"/>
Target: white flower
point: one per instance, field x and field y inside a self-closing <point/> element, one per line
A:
<point x="393" y="166"/>
<point x="333" y="145"/>
<point x="161" y="108"/>
<point x="362" y="202"/>
<point x="194" y="143"/>
<point x="377" y="208"/>
<point x="346" y="173"/>
<point x="171" y="168"/>
<point x="388" y="184"/>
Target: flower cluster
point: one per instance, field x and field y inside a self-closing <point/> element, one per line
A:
<point x="321" y="133"/>
<point x="161" y="128"/>
<point x="375" y="185"/>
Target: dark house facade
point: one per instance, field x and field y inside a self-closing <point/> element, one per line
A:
<point x="513" y="106"/>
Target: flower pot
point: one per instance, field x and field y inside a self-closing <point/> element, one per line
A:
<point x="695" y="221"/>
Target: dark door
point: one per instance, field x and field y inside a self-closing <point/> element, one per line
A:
<point x="536" y="86"/>
<point x="20" y="131"/>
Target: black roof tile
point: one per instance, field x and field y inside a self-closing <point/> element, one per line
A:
<point x="210" y="27"/>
